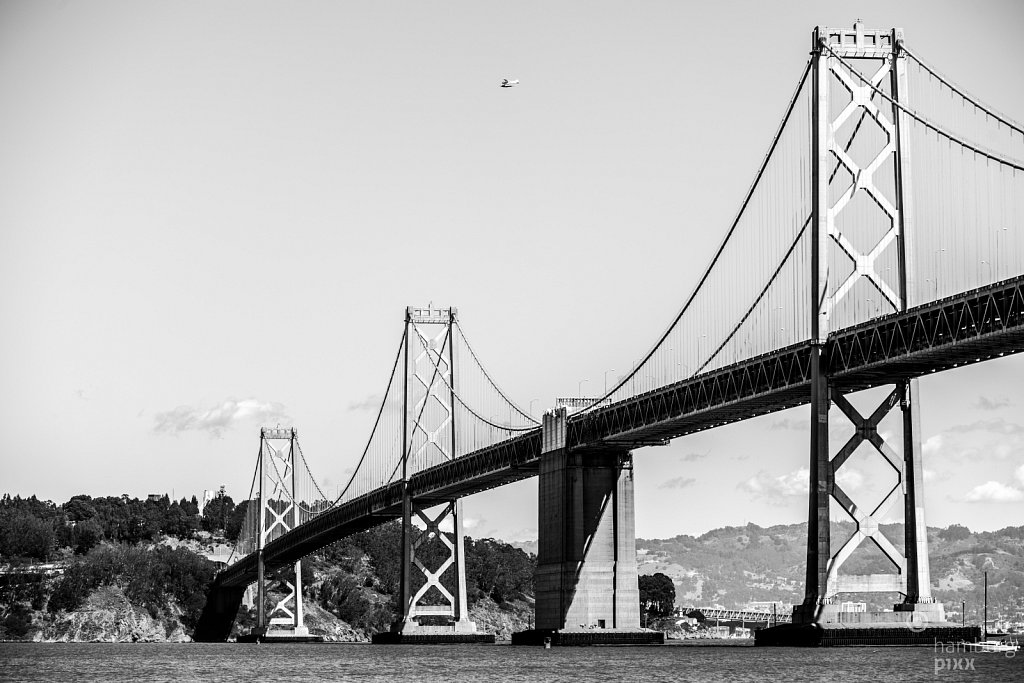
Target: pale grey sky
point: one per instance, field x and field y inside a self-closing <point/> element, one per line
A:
<point x="214" y="214"/>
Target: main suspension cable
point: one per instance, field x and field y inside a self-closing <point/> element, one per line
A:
<point x="1005" y="120"/>
<point x="721" y="247"/>
<point x="937" y="129"/>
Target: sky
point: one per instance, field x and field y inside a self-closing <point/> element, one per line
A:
<point x="213" y="216"/>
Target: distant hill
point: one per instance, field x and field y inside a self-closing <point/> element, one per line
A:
<point x="733" y="566"/>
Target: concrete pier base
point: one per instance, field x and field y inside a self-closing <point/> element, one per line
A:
<point x="280" y="635"/>
<point x="847" y="635"/>
<point x="410" y="632"/>
<point x="601" y="636"/>
<point x="907" y="624"/>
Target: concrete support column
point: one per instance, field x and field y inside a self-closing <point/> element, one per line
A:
<point x="586" y="566"/>
<point x="819" y="487"/>
<point x="461" y="606"/>
<point x="261" y="594"/>
<point x="299" y="626"/>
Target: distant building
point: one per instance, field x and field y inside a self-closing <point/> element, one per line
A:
<point x="155" y="497"/>
<point x="207" y="497"/>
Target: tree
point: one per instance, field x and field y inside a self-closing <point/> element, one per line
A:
<point x="217" y="511"/>
<point x="25" y="535"/>
<point x="79" y="508"/>
<point x="236" y="520"/>
<point x="954" y="532"/>
<point x="657" y="595"/>
<point x="86" y="536"/>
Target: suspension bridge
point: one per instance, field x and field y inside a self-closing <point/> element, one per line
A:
<point x="882" y="239"/>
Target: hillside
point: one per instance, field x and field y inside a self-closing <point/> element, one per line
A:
<point x="124" y="570"/>
<point x="120" y="569"/>
<point x="733" y="566"/>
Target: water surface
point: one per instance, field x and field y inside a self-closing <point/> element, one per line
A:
<point x="81" y="662"/>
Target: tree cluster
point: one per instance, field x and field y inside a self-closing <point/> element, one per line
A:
<point x="657" y="596"/>
<point x="35" y="530"/>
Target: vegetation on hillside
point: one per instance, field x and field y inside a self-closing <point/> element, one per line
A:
<point x="733" y="566"/>
<point x="115" y="542"/>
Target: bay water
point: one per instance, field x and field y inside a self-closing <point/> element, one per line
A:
<point x="179" y="662"/>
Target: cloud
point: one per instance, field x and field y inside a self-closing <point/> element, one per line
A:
<point x="691" y="457"/>
<point x="800" y="425"/>
<point x="996" y="425"/>
<point x="932" y="444"/>
<point x="849" y="479"/>
<point x="933" y="475"/>
<point x="763" y="485"/>
<point x="371" y="402"/>
<point x="219" y="418"/>
<point x="994" y="492"/>
<point x="677" y="483"/>
<point x="1018" y="474"/>
<point x="986" y="403"/>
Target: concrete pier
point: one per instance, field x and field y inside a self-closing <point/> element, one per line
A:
<point x="586" y="580"/>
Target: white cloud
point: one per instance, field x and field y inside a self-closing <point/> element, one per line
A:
<point x="986" y="403"/>
<point x="219" y="418"/>
<point x="932" y="445"/>
<point x="694" y="455"/>
<point x="677" y="483"/>
<point x="994" y="492"/>
<point x="371" y="402"/>
<point x="994" y="426"/>
<point x="763" y="485"/>
<point x="933" y="475"/>
<point x="848" y="478"/>
<point x="1018" y="474"/>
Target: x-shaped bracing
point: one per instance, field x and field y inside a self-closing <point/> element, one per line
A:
<point x="433" y="578"/>
<point x="863" y="179"/>
<point x="438" y="367"/>
<point x="279" y="493"/>
<point x="866" y="429"/>
<point x="282" y="607"/>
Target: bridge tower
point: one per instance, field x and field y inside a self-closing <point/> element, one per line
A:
<point x="433" y="578"/>
<point x="278" y="514"/>
<point x="862" y="226"/>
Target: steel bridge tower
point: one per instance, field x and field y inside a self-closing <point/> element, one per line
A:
<point x="436" y="609"/>
<point x="278" y="514"/>
<point x="862" y="224"/>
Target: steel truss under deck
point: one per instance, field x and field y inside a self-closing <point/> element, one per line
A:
<point x="982" y="324"/>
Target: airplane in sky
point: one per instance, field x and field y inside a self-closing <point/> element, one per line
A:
<point x="505" y="83"/>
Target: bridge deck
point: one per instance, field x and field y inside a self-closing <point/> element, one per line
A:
<point x="968" y="328"/>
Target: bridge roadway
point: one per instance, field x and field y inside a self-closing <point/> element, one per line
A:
<point x="967" y="328"/>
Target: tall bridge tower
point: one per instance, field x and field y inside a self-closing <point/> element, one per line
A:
<point x="862" y="225"/>
<point x="433" y="578"/>
<point x="278" y="513"/>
